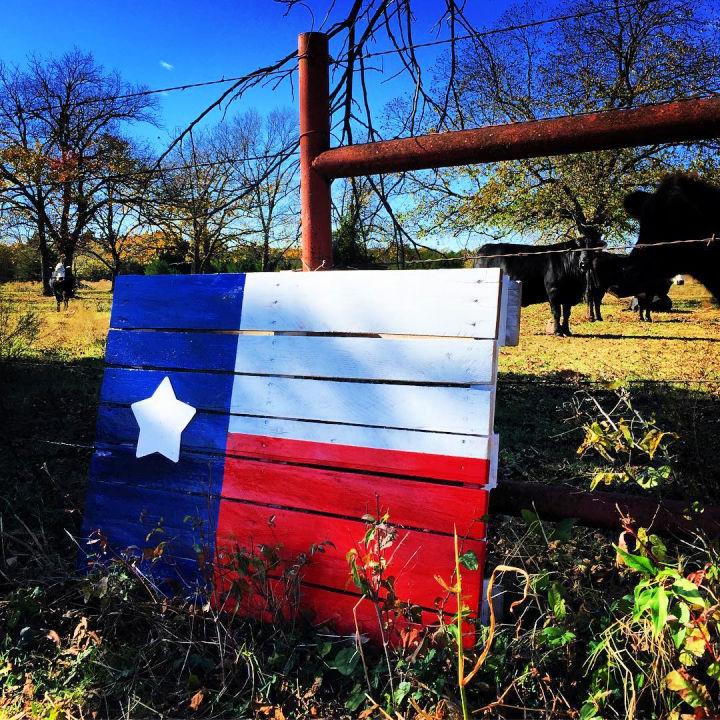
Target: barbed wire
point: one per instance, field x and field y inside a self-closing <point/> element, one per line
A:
<point x="291" y="151"/>
<point x="158" y="91"/>
<point x="502" y="30"/>
<point x="289" y="70"/>
<point x="534" y="253"/>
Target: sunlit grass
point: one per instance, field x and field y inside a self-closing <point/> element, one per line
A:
<point x="682" y="345"/>
<point x="678" y="346"/>
<point x="79" y="331"/>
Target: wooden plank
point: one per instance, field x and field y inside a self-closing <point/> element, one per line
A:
<point x="493" y="469"/>
<point x="443" y="456"/>
<point x="404" y="452"/>
<point x="117" y="426"/>
<point x="204" y="391"/>
<point x="418" y="407"/>
<point x="190" y="302"/>
<point x="413" y="560"/>
<point x="428" y="360"/>
<point x="177" y="350"/>
<point x="432" y="360"/>
<point x="513" y="291"/>
<point x="451" y="303"/>
<point x="199" y="474"/>
<point x="466" y="410"/>
<point x="323" y="608"/>
<point x="356" y="457"/>
<point x="411" y="503"/>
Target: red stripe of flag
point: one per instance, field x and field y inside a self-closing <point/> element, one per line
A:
<point x="400" y="462"/>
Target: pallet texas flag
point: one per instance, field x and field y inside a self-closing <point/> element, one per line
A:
<point x="242" y="411"/>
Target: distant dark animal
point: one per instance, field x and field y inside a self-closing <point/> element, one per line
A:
<point x="645" y="303"/>
<point x="607" y="269"/>
<point x="558" y="277"/>
<point x="684" y="207"/>
<point x="620" y="275"/>
<point x="63" y="289"/>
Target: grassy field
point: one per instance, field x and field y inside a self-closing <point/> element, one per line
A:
<point x="51" y="667"/>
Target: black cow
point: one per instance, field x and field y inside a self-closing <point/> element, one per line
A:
<point x="63" y="289"/>
<point x="620" y="275"/>
<point x="684" y="207"/>
<point x="558" y="277"/>
<point x="607" y="270"/>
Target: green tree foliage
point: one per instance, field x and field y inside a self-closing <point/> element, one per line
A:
<point x="641" y="52"/>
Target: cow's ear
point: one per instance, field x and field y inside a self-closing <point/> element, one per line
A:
<point x="634" y="203"/>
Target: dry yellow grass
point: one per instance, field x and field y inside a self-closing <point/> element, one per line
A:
<point x="678" y="346"/>
<point x="76" y="332"/>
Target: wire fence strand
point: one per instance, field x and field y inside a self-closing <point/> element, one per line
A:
<point x="554" y="251"/>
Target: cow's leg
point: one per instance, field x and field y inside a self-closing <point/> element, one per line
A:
<point x="566" y="308"/>
<point x="591" y="309"/>
<point x="66" y="300"/>
<point x="557" y="325"/>
<point x="598" y="303"/>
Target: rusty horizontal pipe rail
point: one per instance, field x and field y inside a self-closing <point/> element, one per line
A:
<point x="600" y="509"/>
<point x="674" y="122"/>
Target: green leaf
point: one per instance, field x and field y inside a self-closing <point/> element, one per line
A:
<point x="356" y="699"/>
<point x="655" y="601"/>
<point x="637" y="562"/>
<point x="555" y="636"/>
<point x="529" y="517"/>
<point x="345" y="661"/>
<point x="713" y="670"/>
<point x="689" y="592"/>
<point x="683" y="613"/>
<point x="469" y="560"/>
<point x="589" y="712"/>
<point x="563" y="530"/>
<point x="401" y="692"/>
<point x="324" y="649"/>
<point x="556" y="601"/>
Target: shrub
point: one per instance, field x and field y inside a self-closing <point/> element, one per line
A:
<point x="18" y="330"/>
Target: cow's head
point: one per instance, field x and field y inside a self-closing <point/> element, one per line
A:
<point x="588" y="247"/>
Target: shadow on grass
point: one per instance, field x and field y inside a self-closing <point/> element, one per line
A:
<point x="539" y="438"/>
<point x="606" y="336"/>
<point x="48" y="407"/>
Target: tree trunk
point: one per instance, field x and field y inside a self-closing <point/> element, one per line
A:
<point x="266" y="253"/>
<point x="45" y="261"/>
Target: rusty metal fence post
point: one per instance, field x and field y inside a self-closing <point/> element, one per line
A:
<point x="315" y="202"/>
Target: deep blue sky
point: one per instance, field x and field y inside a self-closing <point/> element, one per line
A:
<point x="201" y="40"/>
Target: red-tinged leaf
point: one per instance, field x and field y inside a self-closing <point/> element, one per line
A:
<point x="197" y="699"/>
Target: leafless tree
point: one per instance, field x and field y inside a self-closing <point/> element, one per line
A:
<point x="197" y="199"/>
<point x="268" y="167"/>
<point x="54" y="117"/>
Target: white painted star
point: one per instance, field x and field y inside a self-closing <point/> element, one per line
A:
<point x="162" y="418"/>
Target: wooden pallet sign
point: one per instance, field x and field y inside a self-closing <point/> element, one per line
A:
<point x="269" y="413"/>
